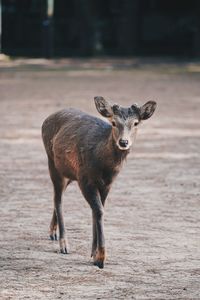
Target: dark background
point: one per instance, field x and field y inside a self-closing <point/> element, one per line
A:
<point x="101" y="27"/>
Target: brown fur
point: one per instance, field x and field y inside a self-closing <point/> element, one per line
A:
<point x="90" y="151"/>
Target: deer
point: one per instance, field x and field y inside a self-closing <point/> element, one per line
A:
<point x="83" y="148"/>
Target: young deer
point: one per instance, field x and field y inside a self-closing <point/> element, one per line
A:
<point x="86" y="149"/>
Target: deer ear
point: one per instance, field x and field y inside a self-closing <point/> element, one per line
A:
<point x="147" y="110"/>
<point x="103" y="107"/>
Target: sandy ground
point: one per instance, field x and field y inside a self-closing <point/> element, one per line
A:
<point x="152" y="220"/>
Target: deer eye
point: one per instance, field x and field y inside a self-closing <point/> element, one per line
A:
<point x="113" y="124"/>
<point x="136" y="123"/>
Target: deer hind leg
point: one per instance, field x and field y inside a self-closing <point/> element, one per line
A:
<point x="53" y="226"/>
<point x="94" y="236"/>
<point x="59" y="185"/>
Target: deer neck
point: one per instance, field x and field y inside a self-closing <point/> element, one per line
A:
<point x="113" y="153"/>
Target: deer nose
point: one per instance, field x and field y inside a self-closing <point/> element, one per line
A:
<point x="123" y="143"/>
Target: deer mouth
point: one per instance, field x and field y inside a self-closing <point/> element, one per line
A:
<point x="123" y="148"/>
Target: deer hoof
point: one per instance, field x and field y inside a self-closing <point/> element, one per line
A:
<point x="99" y="263"/>
<point x="99" y="258"/>
<point x="53" y="233"/>
<point x="53" y="237"/>
<point x="63" y="247"/>
<point x="64" y="251"/>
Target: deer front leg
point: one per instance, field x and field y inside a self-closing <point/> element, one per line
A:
<point x="98" y="243"/>
<point x="92" y="196"/>
<point x="103" y="190"/>
<point x="99" y="256"/>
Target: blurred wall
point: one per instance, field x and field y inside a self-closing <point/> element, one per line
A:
<point x="100" y="27"/>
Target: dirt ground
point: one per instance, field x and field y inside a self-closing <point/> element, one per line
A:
<point x="152" y="219"/>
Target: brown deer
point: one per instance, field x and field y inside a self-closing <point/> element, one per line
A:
<point x="91" y="151"/>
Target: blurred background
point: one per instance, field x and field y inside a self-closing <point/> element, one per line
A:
<point x="59" y="28"/>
